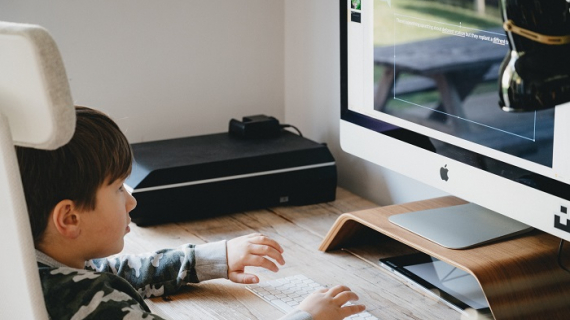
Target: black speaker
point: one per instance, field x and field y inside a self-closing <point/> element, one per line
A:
<point x="209" y="175"/>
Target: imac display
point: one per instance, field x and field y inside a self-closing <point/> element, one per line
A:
<point x="428" y="89"/>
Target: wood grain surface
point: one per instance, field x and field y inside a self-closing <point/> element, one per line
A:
<point x="300" y="231"/>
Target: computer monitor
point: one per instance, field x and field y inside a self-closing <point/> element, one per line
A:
<point x="420" y="96"/>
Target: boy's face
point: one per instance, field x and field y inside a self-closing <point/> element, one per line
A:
<point x="105" y="227"/>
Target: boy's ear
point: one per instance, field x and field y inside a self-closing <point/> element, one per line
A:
<point x="66" y="219"/>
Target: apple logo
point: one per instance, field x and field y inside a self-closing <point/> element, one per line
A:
<point x="443" y="173"/>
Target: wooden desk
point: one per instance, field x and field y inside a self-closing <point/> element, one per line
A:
<point x="455" y="65"/>
<point x="300" y="230"/>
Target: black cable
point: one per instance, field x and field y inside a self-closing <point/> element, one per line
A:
<point x="292" y="126"/>
<point x="560" y="257"/>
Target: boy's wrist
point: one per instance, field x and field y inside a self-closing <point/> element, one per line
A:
<point x="211" y="260"/>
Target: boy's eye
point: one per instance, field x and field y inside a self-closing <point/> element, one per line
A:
<point x="122" y="188"/>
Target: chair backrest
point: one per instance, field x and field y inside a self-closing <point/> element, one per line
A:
<point x="36" y="110"/>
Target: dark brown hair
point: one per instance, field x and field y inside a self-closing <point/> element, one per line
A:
<point x="97" y="153"/>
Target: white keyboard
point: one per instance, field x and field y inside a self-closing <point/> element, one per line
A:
<point x="287" y="293"/>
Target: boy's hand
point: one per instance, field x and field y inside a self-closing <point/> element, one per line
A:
<point x="252" y="250"/>
<point x="327" y="304"/>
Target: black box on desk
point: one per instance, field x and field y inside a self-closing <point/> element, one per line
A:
<point x="204" y="176"/>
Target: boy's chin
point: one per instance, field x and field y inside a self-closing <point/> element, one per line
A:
<point x="117" y="249"/>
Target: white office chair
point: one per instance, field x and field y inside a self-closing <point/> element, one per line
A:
<point x="36" y="110"/>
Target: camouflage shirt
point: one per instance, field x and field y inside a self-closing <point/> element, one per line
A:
<point x="115" y="287"/>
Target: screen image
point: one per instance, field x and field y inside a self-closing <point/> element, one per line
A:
<point x="436" y="65"/>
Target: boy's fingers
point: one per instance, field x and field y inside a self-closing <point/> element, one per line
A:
<point x="345" y="296"/>
<point x="244" y="278"/>
<point x="269" y="265"/>
<point x="334" y="291"/>
<point x="262" y="250"/>
<point x="259" y="238"/>
<point x="259" y="261"/>
<point x="352" y="309"/>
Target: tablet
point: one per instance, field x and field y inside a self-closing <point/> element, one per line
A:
<point x="455" y="287"/>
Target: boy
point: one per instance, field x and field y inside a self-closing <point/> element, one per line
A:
<point x="79" y="213"/>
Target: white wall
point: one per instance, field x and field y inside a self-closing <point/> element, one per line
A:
<point x="312" y="100"/>
<point x="173" y="68"/>
<point x="167" y="68"/>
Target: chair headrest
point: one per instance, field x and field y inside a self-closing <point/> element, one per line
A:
<point x="34" y="89"/>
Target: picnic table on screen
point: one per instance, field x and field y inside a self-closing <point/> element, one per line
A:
<point x="453" y="65"/>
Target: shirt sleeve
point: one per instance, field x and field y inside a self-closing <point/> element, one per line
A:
<point x="164" y="272"/>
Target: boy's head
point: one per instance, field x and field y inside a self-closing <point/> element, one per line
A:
<point x="97" y="156"/>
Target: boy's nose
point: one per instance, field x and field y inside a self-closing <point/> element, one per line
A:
<point x="131" y="202"/>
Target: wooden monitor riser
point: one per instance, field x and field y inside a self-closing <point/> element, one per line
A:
<point x="520" y="277"/>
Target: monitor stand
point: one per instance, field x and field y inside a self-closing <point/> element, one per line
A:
<point x="460" y="227"/>
<point x="521" y="277"/>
